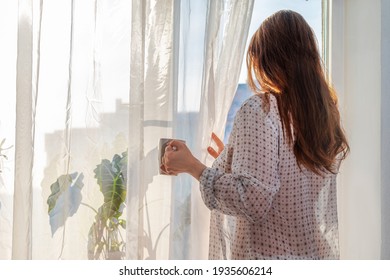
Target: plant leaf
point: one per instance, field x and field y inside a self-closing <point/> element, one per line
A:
<point x="111" y="180"/>
<point x="65" y="199"/>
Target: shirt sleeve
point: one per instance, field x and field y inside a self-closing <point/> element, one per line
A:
<point x="246" y="188"/>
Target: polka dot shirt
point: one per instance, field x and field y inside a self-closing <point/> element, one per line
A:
<point x="263" y="206"/>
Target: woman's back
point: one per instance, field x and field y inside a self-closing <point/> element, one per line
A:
<point x="296" y="209"/>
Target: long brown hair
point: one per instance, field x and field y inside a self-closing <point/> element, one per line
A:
<point x="283" y="60"/>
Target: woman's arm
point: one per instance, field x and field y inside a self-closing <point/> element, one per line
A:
<point x="254" y="180"/>
<point x="249" y="188"/>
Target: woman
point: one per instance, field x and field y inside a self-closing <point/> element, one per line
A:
<point x="272" y="189"/>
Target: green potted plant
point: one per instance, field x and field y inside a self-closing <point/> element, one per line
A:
<point x="104" y="239"/>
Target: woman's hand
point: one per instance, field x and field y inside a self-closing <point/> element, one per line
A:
<point x="179" y="159"/>
<point x="220" y="146"/>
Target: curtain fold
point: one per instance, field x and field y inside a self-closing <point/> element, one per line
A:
<point x="22" y="218"/>
<point x="8" y="57"/>
<point x="151" y="108"/>
<point x="385" y="130"/>
<point x="227" y="30"/>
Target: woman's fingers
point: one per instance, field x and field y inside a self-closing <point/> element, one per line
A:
<point x="163" y="170"/>
<point x="166" y="171"/>
<point x="212" y="152"/>
<point x="176" y="145"/>
<point x="171" y="172"/>
<point x="176" y="157"/>
<point x="168" y="148"/>
<point x="217" y="142"/>
<point x="220" y="146"/>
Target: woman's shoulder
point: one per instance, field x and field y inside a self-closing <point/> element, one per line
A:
<point x="254" y="102"/>
<point x="260" y="107"/>
<point x="260" y="103"/>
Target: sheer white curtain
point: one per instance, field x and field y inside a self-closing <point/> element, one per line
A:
<point x="184" y="73"/>
<point x="72" y="88"/>
<point x="79" y="109"/>
<point x="8" y="31"/>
